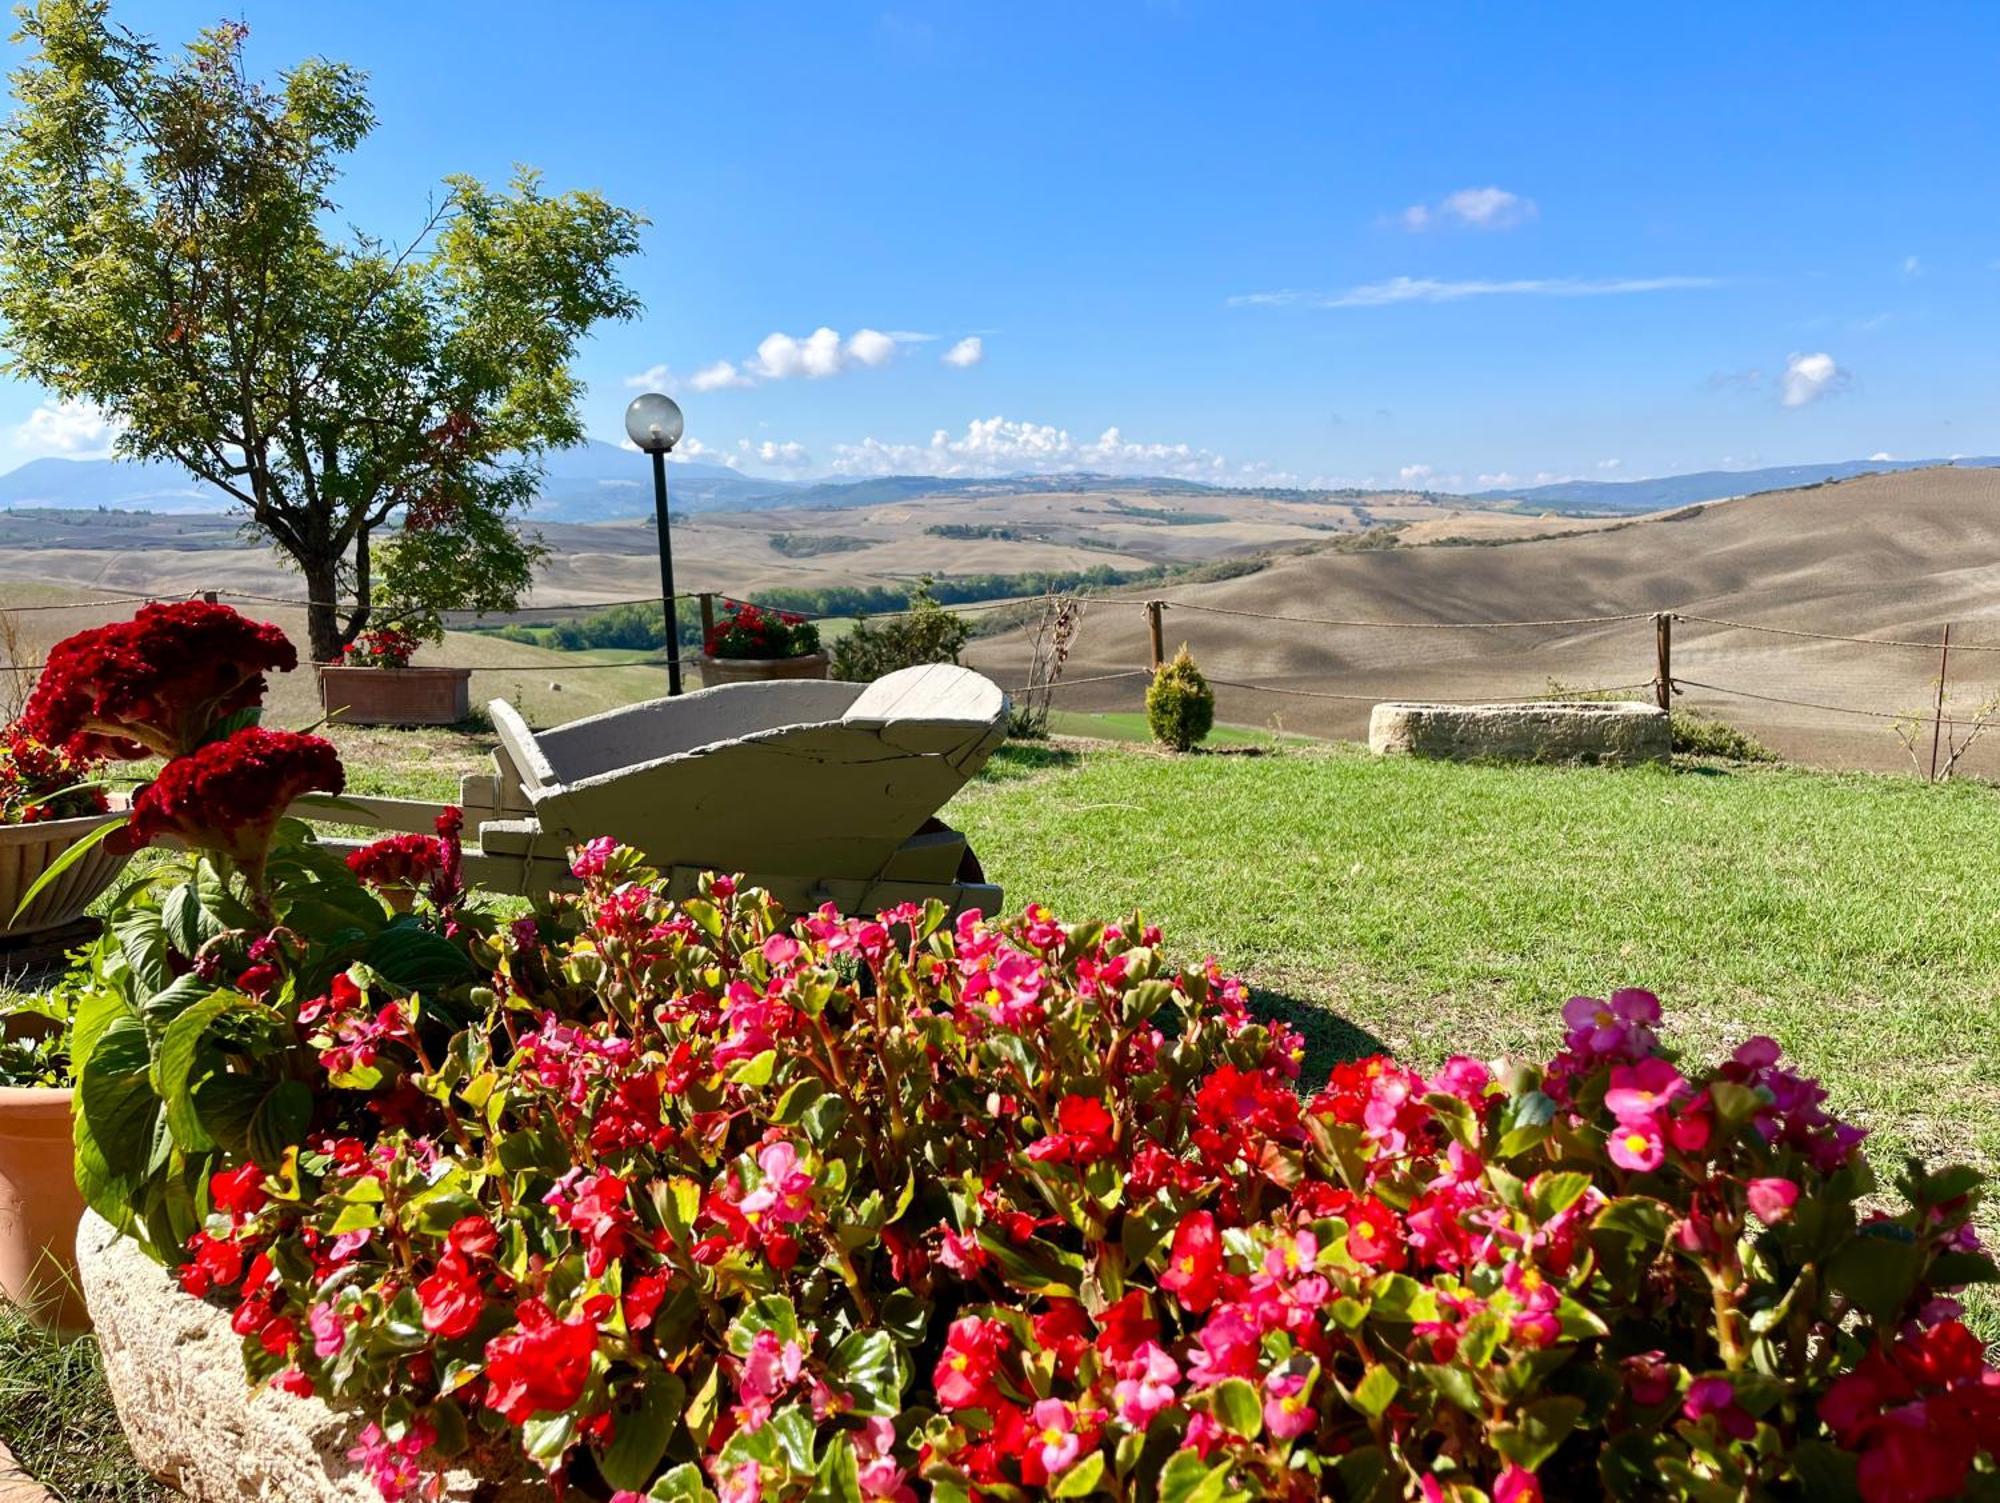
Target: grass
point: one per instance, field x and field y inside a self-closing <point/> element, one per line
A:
<point x="1130" y="726"/>
<point x="56" y="1417"/>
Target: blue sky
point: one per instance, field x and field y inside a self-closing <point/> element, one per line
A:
<point x="1315" y="244"/>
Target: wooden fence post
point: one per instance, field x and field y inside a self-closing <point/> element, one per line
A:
<point x="707" y="598"/>
<point x="1937" y="714"/>
<point x="1153" y="626"/>
<point x="1663" y="643"/>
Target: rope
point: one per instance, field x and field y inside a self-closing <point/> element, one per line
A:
<point x="1076" y="683"/>
<point x="1824" y="636"/>
<point x="1373" y="699"/>
<point x="1809" y="704"/>
<point x="80" y="605"/>
<point x="1216" y="610"/>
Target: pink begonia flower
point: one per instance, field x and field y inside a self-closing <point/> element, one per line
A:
<point x="1757" y="1053"/>
<point x="1287" y="1415"/>
<point x="1638" y="1146"/>
<point x="743" y="1485"/>
<point x="590" y="861"/>
<point x="1055" y="1435"/>
<point x="1717" y="1397"/>
<point x="781" y="950"/>
<point x="786" y="1193"/>
<point x="1517" y="1485"/>
<point x="771" y="1367"/>
<point x="1292" y="1255"/>
<point x="879" y="1476"/>
<point x="1620" y="1026"/>
<point x="328" y="1329"/>
<point x="1005" y="986"/>
<point x="1648" y="1378"/>
<point x="1464" y="1077"/>
<point x="1641" y="1090"/>
<point x="1147" y="1385"/>
<point x="962" y="1254"/>
<point x="1772" y="1199"/>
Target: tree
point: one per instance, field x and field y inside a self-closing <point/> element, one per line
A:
<point x="163" y="255"/>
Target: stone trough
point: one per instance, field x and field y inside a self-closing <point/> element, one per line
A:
<point x="1614" y="732"/>
<point x="175" y="1371"/>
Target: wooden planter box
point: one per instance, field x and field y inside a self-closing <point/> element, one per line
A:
<point x="39" y="1207"/>
<point x="26" y="851"/>
<point x="395" y="696"/>
<point x="716" y="671"/>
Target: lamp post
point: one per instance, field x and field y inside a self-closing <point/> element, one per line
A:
<point x="654" y="423"/>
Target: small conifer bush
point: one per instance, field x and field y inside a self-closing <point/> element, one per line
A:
<point x="1180" y="707"/>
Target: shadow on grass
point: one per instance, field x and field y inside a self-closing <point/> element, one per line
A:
<point x="1014" y="760"/>
<point x="1329" y="1037"/>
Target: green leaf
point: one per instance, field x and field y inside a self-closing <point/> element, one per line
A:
<point x="280" y="1121"/>
<point x="547" y="1436"/>
<point x="1239" y="1408"/>
<point x="1188" y="1479"/>
<point x="1081" y="1480"/>
<point x="1455" y="1383"/>
<point x="414" y="959"/>
<point x="838" y="1478"/>
<point x="175" y="1063"/>
<point x="1537" y="1430"/>
<point x="869" y="1366"/>
<point x="1877" y="1272"/>
<point x="642" y="1432"/>
<point x="1829" y="1474"/>
<point x="143" y="941"/>
<point x="1035" y="1267"/>
<point x="1553" y="1193"/>
<point x="681" y="1484"/>
<point x="1375" y="1392"/>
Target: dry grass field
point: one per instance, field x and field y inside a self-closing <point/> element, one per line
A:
<point x="1883" y="556"/>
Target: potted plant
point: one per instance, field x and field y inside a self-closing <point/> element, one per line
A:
<point x="749" y="644"/>
<point x="374" y="683"/>
<point x="39" y="1201"/>
<point x="47" y="804"/>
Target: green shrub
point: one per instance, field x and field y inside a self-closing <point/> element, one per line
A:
<point x="1180" y="707"/>
<point x="1704" y="736"/>
<point x="925" y="633"/>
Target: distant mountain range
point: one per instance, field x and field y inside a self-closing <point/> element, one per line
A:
<point x="600" y="482"/>
<point x="1632" y="497"/>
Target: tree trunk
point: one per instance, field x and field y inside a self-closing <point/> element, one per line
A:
<point x="322" y="610"/>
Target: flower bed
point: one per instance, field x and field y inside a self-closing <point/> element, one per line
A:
<point x="700" y="1199"/>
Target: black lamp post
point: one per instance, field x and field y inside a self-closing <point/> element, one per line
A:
<point x="654" y="423"/>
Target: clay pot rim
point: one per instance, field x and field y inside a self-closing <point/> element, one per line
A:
<point x="23" y="1101"/>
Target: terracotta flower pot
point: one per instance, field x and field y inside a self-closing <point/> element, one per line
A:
<point x="39" y="1208"/>
<point x="716" y="671"/>
<point x="26" y="851"/>
<point x="395" y="696"/>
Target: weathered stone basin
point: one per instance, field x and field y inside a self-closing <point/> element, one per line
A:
<point x="176" y="1374"/>
<point x="1618" y="732"/>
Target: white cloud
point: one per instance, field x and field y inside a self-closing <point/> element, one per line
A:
<point x="1809" y="377"/>
<point x="694" y="449"/>
<point x="654" y="378"/>
<point x="1431" y="290"/>
<point x="1002" y="446"/>
<point x="1609" y="464"/>
<point x="1415" y="474"/>
<point x="1912" y="268"/>
<point x="1880" y="455"/>
<point x="790" y="455"/>
<point x="719" y="377"/>
<point x="73" y="430"/>
<point x="968" y="352"/>
<point x="871" y="347"/>
<point x="1474" y="208"/>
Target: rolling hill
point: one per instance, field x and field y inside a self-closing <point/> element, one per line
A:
<point x="1633" y="497"/>
<point x="1885" y="555"/>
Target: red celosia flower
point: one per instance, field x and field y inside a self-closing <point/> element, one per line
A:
<point x="397" y="861"/>
<point x="540" y="1367"/>
<point x="228" y="796"/>
<point x="158" y="683"/>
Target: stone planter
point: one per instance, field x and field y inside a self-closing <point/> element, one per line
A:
<point x="716" y="671"/>
<point x="39" y="1206"/>
<point x="1614" y="732"/>
<point x="175" y="1371"/>
<point x="395" y="696"/>
<point x="26" y="851"/>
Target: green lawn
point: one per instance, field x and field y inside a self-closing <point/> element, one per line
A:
<point x="1430" y="908"/>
